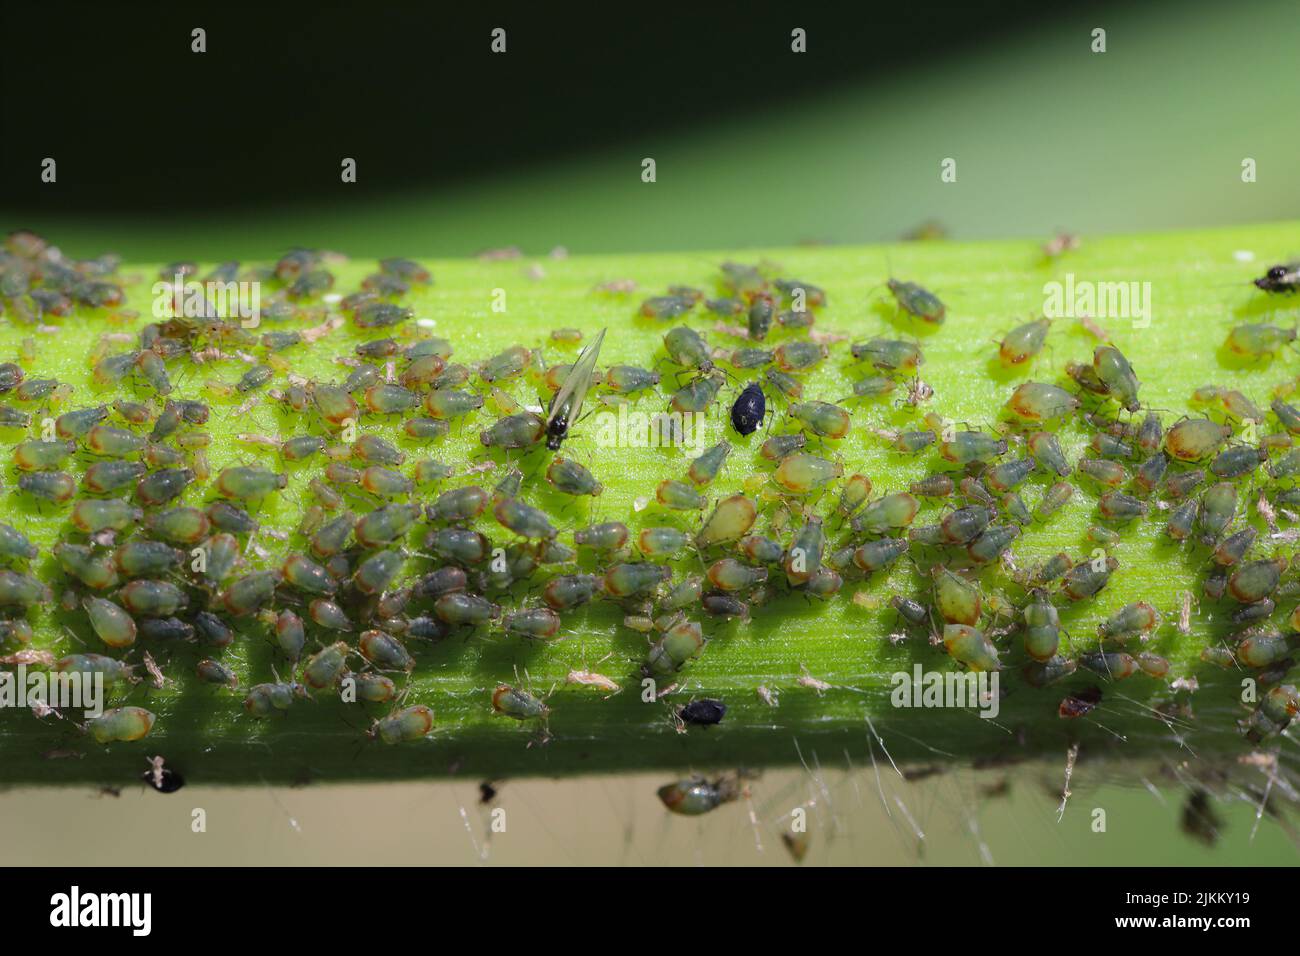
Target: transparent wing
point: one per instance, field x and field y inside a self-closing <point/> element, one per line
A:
<point x="568" y="400"/>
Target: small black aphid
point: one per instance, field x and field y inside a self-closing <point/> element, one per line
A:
<point x="486" y="792"/>
<point x="749" y="408"/>
<point x="703" y="712"/>
<point x="162" y="778"/>
<point x="1282" y="279"/>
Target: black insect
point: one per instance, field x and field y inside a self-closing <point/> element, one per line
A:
<point x="748" y="410"/>
<point x="1284" y="279"/>
<point x="486" y="792"/>
<point x="162" y="778"/>
<point x="703" y="712"/>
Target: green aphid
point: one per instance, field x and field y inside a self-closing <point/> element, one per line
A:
<point x="1237" y="461"/>
<point x="1150" y="473"/>
<point x="1108" y="474"/>
<point x="112" y="671"/>
<point x="1112" y="665"/>
<point x="37" y="455"/>
<point x="514" y="432"/>
<point x="377" y="572"/>
<point x="750" y="358"/>
<point x="375" y="688"/>
<point x="1106" y="537"/>
<point x="1151" y="434"/>
<point x="608" y="536"/>
<point x="35" y="389"/>
<point x="459" y="544"/>
<point x="914" y="442"/>
<point x="799" y="354"/>
<point x="728" y="574"/>
<point x="1218" y="508"/>
<point x="332" y="537"/>
<point x="971" y="446"/>
<point x="151" y="369"/>
<point x="93" y="569"/>
<point x="251" y="592"/>
<point x="506" y="364"/>
<point x="169" y="421"/>
<point x="14" y="544"/>
<point x="459" y="505"/>
<point x="303" y="574"/>
<point x="535" y="624"/>
<point x="571" y="478"/>
<point x="278" y="342"/>
<point x="111" y="369"/>
<point x="324" y="668"/>
<point x="680" y="644"/>
<point x="1234" y="547"/>
<point x="1130" y="621"/>
<point x="227" y="517"/>
<point x="334" y="404"/>
<point x="1042" y="634"/>
<point x="1046" y="450"/>
<point x="1272" y="714"/>
<point x="1195" y="439"/>
<point x="246" y="482"/>
<point x="1288" y="415"/>
<point x="386" y="398"/>
<point x="761" y="550"/>
<point x="874" y="386"/>
<point x="992" y="543"/>
<point x="802" y="473"/>
<point x="1009" y="474"/>
<point x="301" y="447"/>
<point x="1183" y="483"/>
<point x="1024" y="342"/>
<point x="917" y="301"/>
<point x="687" y="348"/>
<point x="265" y="700"/>
<point x="661" y="542"/>
<point x="804" y="558"/>
<point x="730" y="521"/>
<point x="704" y="469"/>
<point x="214" y="672"/>
<point x="762" y="310"/>
<point x="824" y="585"/>
<point x="679" y="496"/>
<point x="385" y="483"/>
<point x="854" y="494"/>
<point x="634" y="580"/>
<point x="425" y="429"/>
<point x="1042" y="673"/>
<point x="1254" y="581"/>
<point x="140" y="557"/>
<point x="970" y="646"/>
<point x="629" y="379"/>
<point x="1117" y="506"/>
<point x="523" y="519"/>
<point x="518" y="704"/>
<point x="337" y="473"/>
<point x="1265" y="648"/>
<point x="403" y="726"/>
<point x="151" y="598"/>
<point x="698" y="394"/>
<point x="694" y="796"/>
<point x="381" y="315"/>
<point x="1107" y="446"/>
<point x="779" y="447"/>
<point x="159" y="487"/>
<point x="890" y="355"/>
<point x="879" y="554"/>
<point x="1182" y="519"/>
<point x="568" y="591"/>
<point x="111" y="624"/>
<point x="429" y="346"/>
<point x="822" y="418"/>
<point x="385" y="651"/>
<point x="256" y="377"/>
<point x="932" y="486"/>
<point x="1115" y="372"/>
<point x="892" y="512"/>
<point x="1286" y="466"/>
<point x="162" y="456"/>
<point x="957" y="600"/>
<point x="385" y="525"/>
<point x="666" y="306"/>
<point x="361" y="378"/>
<point x="1087" y="578"/>
<point x="11" y="417"/>
<point x="121" y="725"/>
<point x="1040" y="402"/>
<point x="1258" y="340"/>
<point x="463" y="609"/>
<point x="787" y="385"/>
<point x="423" y="371"/>
<point x="328" y="498"/>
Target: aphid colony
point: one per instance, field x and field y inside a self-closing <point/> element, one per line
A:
<point x="387" y="557"/>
